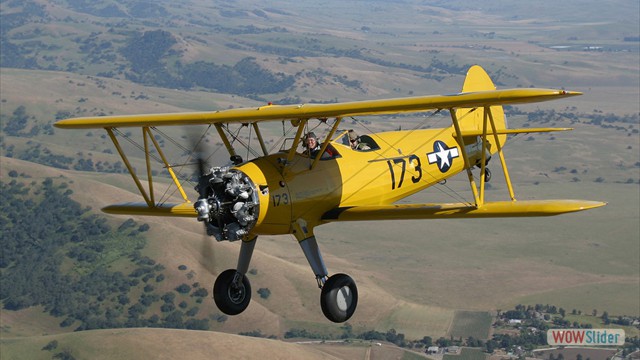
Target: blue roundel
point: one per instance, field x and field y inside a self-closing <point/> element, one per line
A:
<point x="442" y="155"/>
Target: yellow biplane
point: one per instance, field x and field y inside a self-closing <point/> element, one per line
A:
<point x="343" y="178"/>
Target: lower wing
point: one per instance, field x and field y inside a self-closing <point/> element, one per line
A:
<point x="459" y="210"/>
<point x="137" y="208"/>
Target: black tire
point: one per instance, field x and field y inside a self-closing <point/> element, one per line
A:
<point x="487" y="175"/>
<point x="339" y="298"/>
<point x="229" y="299"/>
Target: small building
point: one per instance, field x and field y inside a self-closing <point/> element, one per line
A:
<point x="453" y="349"/>
<point x="515" y="321"/>
<point x="433" y="350"/>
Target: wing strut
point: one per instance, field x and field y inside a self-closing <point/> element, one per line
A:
<point x="483" y="159"/>
<point x="467" y="165"/>
<point x="129" y="167"/>
<point x="145" y="132"/>
<point x="326" y="142"/>
<point x="166" y="164"/>
<point x="503" y="162"/>
<point x="225" y="140"/>
<point x="479" y="193"/>
<point x="263" y="146"/>
<point x="149" y="198"/>
<point x="302" y="123"/>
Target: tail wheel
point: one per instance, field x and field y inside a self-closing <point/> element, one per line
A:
<point x="487" y="175"/>
<point x="231" y="297"/>
<point x="339" y="298"/>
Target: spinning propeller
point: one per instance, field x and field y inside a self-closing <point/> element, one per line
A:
<point x="207" y="259"/>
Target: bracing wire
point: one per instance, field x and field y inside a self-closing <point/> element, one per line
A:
<point x="451" y="192"/>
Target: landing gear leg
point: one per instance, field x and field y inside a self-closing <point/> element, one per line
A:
<point x="339" y="295"/>
<point x="232" y="290"/>
<point x="314" y="257"/>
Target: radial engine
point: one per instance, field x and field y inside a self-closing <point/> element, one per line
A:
<point x="228" y="203"/>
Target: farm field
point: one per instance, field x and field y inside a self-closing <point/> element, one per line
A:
<point x="466" y="354"/>
<point x="471" y="323"/>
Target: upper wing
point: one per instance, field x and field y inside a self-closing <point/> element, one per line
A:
<point x="460" y="210"/>
<point x="308" y="111"/>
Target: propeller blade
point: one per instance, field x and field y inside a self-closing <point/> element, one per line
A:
<point x="198" y="153"/>
<point x="207" y="253"/>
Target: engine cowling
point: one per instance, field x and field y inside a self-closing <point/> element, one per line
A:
<point x="228" y="203"/>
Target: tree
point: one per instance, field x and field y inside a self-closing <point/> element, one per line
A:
<point x="52" y="345"/>
<point x="443" y="342"/>
<point x="183" y="289"/>
<point x="427" y="341"/>
<point x="17" y="122"/>
<point x="201" y="292"/>
<point x="264" y="293"/>
<point x="490" y="346"/>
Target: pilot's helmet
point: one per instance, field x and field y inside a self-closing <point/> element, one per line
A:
<point x="353" y="136"/>
<point x="309" y="135"/>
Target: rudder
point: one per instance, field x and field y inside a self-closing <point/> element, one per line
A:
<point x="477" y="80"/>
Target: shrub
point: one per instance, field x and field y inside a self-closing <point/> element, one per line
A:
<point x="183" y="289"/>
<point x="264" y="292"/>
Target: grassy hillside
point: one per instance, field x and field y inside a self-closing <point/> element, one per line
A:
<point x="155" y="344"/>
<point x="73" y="58"/>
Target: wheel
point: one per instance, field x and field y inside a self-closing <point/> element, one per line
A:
<point x="231" y="299"/>
<point x="487" y="175"/>
<point x="339" y="298"/>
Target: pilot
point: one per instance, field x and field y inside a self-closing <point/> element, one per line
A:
<point x="355" y="142"/>
<point x="311" y="143"/>
<point x="313" y="147"/>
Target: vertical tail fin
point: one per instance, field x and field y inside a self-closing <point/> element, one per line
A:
<point x="472" y="119"/>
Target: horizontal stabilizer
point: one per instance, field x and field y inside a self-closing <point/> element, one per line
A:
<point x="460" y="210"/>
<point x="177" y="210"/>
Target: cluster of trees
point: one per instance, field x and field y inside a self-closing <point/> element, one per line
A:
<point x="536" y="319"/>
<point x="391" y="336"/>
<point x="122" y="9"/>
<point x="43" y="155"/>
<point x="532" y="332"/>
<point x="144" y="51"/>
<point x="20" y="120"/>
<point x="16" y="124"/>
<point x="531" y="311"/>
<point x="43" y="228"/>
<point x="12" y="55"/>
<point x="97" y="50"/>
<point x="436" y="70"/>
<point x="147" y="53"/>
<point x="245" y="78"/>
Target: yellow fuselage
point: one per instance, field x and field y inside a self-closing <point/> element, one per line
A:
<point x="405" y="163"/>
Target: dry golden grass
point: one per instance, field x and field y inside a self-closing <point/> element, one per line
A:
<point x="156" y="344"/>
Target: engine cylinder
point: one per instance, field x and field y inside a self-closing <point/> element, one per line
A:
<point x="228" y="203"/>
